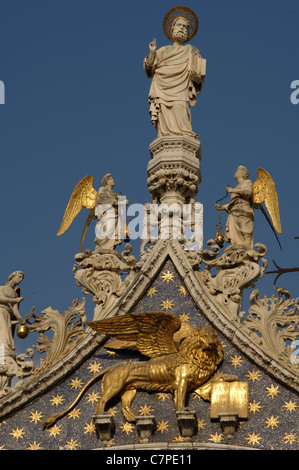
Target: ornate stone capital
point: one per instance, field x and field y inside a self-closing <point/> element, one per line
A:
<point x="174" y="169"/>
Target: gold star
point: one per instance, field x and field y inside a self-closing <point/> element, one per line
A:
<point x="92" y="397"/>
<point x="57" y="400"/>
<point x="113" y="410"/>
<point x="17" y="433"/>
<point x="95" y="367"/>
<point x="111" y="353"/>
<point x="254" y="375"/>
<point x="152" y="291"/>
<point x="111" y="442"/>
<point x="145" y="410"/>
<point x="167" y="277"/>
<point x="272" y="422"/>
<point x="179" y="439"/>
<point x="71" y="445"/>
<point x="55" y="430"/>
<point x="126" y="427"/>
<point x="253" y="438"/>
<point x="216" y="437"/>
<point x="290" y="406"/>
<point x="167" y="305"/>
<point x="182" y="290"/>
<point x="89" y="428"/>
<point x="34" y="446"/>
<point x="236" y="361"/>
<point x="163" y="396"/>
<point x="201" y="424"/>
<point x="184" y="317"/>
<point x="162" y="426"/>
<point x="253" y="407"/>
<point x="2" y="447"/>
<point x="290" y="438"/>
<point x="76" y="383"/>
<point x="35" y="416"/>
<point x="74" y="414"/>
<point x="272" y="391"/>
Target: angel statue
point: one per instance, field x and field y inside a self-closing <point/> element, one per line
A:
<point x="177" y="72"/>
<point x="104" y="205"/>
<point x="182" y="359"/>
<point x="245" y="197"/>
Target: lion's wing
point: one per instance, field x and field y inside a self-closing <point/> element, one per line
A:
<point x="151" y="333"/>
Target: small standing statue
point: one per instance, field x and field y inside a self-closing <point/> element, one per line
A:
<point x="177" y="73"/>
<point x="245" y="197"/>
<point x="9" y="312"/>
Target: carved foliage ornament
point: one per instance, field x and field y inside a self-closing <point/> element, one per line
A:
<point x="67" y="332"/>
<point x="273" y="323"/>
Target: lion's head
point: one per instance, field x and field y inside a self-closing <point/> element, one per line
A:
<point x="203" y="348"/>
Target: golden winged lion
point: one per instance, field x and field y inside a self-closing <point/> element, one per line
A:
<point x="246" y="197"/>
<point x="182" y="359"/>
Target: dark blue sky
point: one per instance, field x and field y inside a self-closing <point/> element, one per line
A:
<point x="76" y="104"/>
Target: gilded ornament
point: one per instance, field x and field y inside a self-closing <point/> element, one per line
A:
<point x="219" y="238"/>
<point x="22" y="331"/>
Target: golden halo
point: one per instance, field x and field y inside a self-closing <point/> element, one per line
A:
<point x="186" y="13"/>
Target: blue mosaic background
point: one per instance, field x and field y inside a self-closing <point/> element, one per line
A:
<point x="273" y="422"/>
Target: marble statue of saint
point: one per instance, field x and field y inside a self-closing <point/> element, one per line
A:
<point x="9" y="312"/>
<point x="239" y="225"/>
<point x="177" y="72"/>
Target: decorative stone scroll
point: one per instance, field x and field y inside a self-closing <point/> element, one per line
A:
<point x="237" y="269"/>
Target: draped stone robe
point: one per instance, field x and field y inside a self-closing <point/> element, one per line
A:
<point x="172" y="91"/>
<point x="239" y="225"/>
<point x="6" y="315"/>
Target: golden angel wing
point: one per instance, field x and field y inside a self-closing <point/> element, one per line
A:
<point x="84" y="195"/>
<point x="151" y="333"/>
<point x="264" y="190"/>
